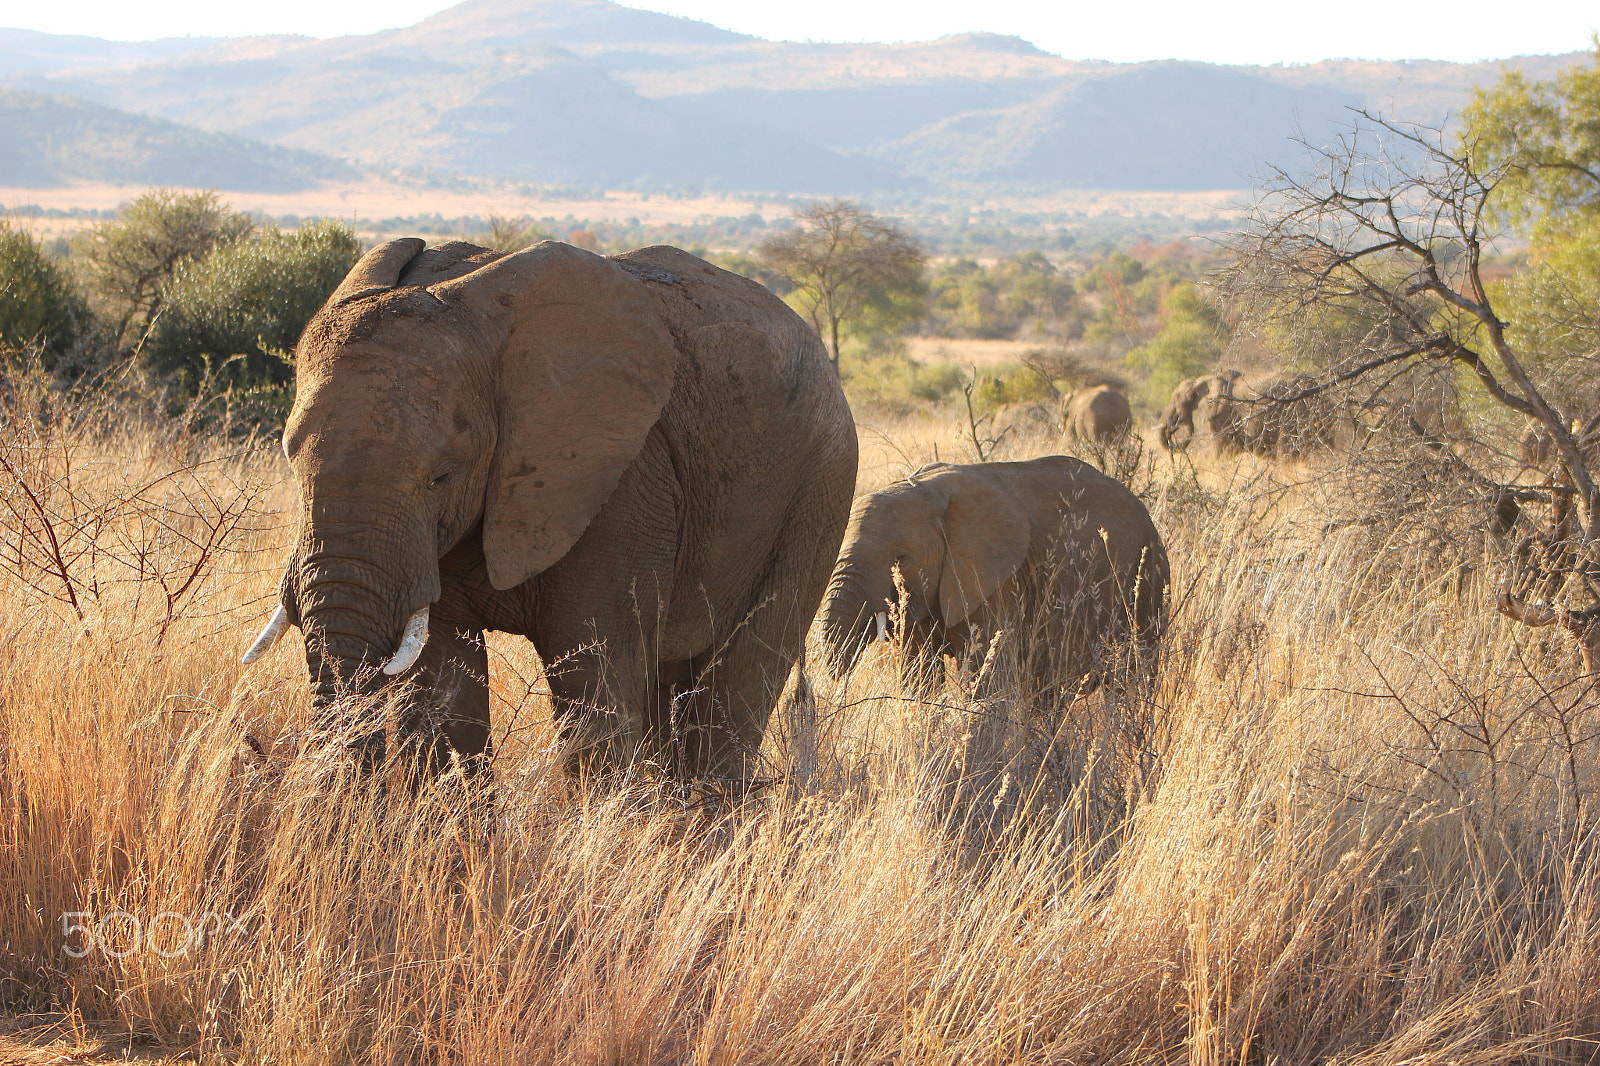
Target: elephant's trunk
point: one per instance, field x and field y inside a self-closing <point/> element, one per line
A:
<point x="360" y="616"/>
<point x="1171" y="424"/>
<point x="848" y="611"/>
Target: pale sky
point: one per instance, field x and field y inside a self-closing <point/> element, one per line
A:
<point x="1221" y="31"/>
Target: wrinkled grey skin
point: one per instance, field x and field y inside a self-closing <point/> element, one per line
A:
<point x="1099" y="415"/>
<point x="1018" y="544"/>
<point x="1238" y="416"/>
<point x="642" y="464"/>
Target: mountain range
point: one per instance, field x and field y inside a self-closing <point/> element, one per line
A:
<point x="53" y="140"/>
<point x="591" y="92"/>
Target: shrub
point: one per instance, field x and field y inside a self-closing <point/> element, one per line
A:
<point x="39" y="308"/>
<point x="1189" y="343"/>
<point x="231" y="317"/>
<point x="1020" y="294"/>
<point x="1021" y="385"/>
<point x="128" y="262"/>
<point x="892" y="382"/>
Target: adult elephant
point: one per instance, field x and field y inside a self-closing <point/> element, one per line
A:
<point x="1051" y="546"/>
<point x="1100" y="415"/>
<point x="1272" y="417"/>
<point x="643" y="464"/>
<point x="1178" y="428"/>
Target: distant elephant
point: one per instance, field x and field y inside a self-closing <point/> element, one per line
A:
<point x="1262" y="417"/>
<point x="1050" y="546"/>
<point x="1177" y="429"/>
<point x="1423" y="405"/>
<point x="1536" y="445"/>
<point x="1537" y="448"/>
<point x="1100" y="415"/>
<point x="643" y="464"/>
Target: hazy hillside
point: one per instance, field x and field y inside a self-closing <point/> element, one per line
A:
<point x="589" y="91"/>
<point x="54" y="140"/>
<point x="31" y="52"/>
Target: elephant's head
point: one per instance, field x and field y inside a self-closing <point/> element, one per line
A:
<point x="1177" y="418"/>
<point x="448" y="394"/>
<point x="956" y="540"/>
<point x="1177" y="429"/>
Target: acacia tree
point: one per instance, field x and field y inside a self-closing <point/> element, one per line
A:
<point x="1390" y="230"/>
<point x="128" y="261"/>
<point x="1387" y="238"/>
<point x="508" y="233"/>
<point x="840" y="259"/>
<point x="1547" y="134"/>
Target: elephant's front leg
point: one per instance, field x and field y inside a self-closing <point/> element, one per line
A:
<point x="446" y="716"/>
<point x="600" y="692"/>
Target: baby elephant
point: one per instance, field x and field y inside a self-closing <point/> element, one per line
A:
<point x="1100" y="415"/>
<point x="1052" y="549"/>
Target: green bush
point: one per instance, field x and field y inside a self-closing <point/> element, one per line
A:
<point x="129" y="261"/>
<point x="1552" y="308"/>
<point x="39" y="308"/>
<point x="891" y="381"/>
<point x="1017" y="294"/>
<point x="230" y="318"/>
<point x="1021" y="385"/>
<point x="1189" y="343"/>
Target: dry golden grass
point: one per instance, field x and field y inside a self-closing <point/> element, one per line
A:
<point x="1350" y="820"/>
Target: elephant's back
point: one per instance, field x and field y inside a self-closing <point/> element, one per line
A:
<point x="1103" y="410"/>
<point x="1074" y="494"/>
<point x="735" y="331"/>
<point x="695" y="294"/>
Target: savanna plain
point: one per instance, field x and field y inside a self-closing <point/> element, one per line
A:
<point x="1348" y="817"/>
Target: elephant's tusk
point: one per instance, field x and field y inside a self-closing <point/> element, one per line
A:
<point x="269" y="635"/>
<point x="411" y="642"/>
<point x="883" y="626"/>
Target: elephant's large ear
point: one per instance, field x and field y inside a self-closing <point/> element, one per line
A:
<point x="377" y="271"/>
<point x="587" y="367"/>
<point x="986" y="535"/>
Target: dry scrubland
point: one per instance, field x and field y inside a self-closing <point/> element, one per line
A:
<point x="1350" y="820"/>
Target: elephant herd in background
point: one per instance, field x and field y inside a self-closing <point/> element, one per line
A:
<point x="645" y="465"/>
<point x="1278" y="416"/>
<point x="1275" y="416"/>
<point x="1290" y="415"/>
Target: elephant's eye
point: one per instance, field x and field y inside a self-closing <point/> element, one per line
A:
<point x="443" y="476"/>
